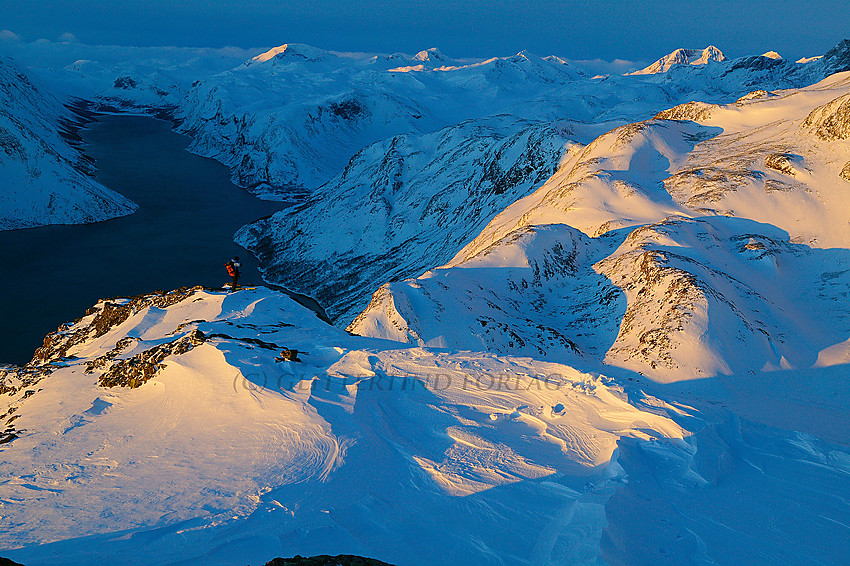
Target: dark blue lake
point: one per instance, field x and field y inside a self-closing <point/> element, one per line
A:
<point x="181" y="235"/>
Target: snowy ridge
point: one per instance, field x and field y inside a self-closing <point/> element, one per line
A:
<point x="223" y="454"/>
<point x="289" y="120"/>
<point x="626" y="255"/>
<point x="43" y="176"/>
<point x="122" y="78"/>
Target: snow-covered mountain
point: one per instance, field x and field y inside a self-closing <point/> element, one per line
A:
<point x="683" y="57"/>
<point x="353" y="233"/>
<point x="611" y="324"/>
<point x="658" y="248"/>
<point x="122" y="78"/>
<point x="44" y="178"/>
<point x="290" y="119"/>
<point x="409" y="203"/>
<point x="161" y="428"/>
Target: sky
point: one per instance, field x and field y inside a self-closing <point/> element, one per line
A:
<point x="576" y="29"/>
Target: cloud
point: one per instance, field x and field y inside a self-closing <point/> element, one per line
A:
<point x="6" y="35"/>
<point x="68" y="37"/>
<point x="603" y="67"/>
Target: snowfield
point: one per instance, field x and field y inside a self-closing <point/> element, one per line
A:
<point x="407" y="454"/>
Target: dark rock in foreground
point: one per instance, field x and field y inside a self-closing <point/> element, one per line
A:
<point x="324" y="560"/>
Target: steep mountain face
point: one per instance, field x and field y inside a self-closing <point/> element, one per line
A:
<point x="44" y="178"/>
<point x="669" y="239"/>
<point x="407" y="203"/>
<point x="161" y="427"/>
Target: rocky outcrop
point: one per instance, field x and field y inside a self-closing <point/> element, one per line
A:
<point x="781" y="162"/>
<point x="831" y="121"/>
<point x="136" y="370"/>
<point x="101" y="318"/>
<point x="693" y="110"/>
<point x="754" y="95"/>
<point x="133" y="371"/>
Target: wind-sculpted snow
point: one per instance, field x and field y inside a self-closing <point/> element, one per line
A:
<point x="226" y="455"/>
<point x="44" y="178"/>
<point x="409" y="202"/>
<point x="626" y="256"/>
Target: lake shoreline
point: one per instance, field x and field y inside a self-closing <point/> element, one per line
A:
<point x="181" y="235"/>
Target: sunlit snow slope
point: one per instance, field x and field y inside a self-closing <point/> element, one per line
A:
<point x="686" y="246"/>
<point x="160" y="429"/>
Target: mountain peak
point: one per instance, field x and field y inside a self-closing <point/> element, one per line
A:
<point x="290" y="51"/>
<point x="837" y="59"/>
<point x="683" y="57"/>
<point x="432" y="54"/>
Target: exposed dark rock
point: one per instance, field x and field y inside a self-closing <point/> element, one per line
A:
<point x="756" y="63"/>
<point x="7" y="562"/>
<point x="348" y="109"/>
<point x="249" y="340"/>
<point x="781" y="162"/>
<point x="135" y="371"/>
<point x="699" y="186"/>
<point x="754" y="95"/>
<point x="107" y="316"/>
<point x="125" y="82"/>
<point x="845" y="172"/>
<point x="832" y="120"/>
<point x="324" y="560"/>
<point x="689" y="111"/>
<point x="837" y="59"/>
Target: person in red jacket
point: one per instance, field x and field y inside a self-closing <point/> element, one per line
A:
<point x="233" y="270"/>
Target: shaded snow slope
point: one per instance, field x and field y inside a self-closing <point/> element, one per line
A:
<point x="220" y="455"/>
<point x="44" y="178"/>
<point x="122" y="78"/>
<point x="675" y="248"/>
<point x="403" y="205"/>
<point x="290" y="119"/>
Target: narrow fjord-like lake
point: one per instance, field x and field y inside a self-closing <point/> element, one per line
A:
<point x="181" y="235"/>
